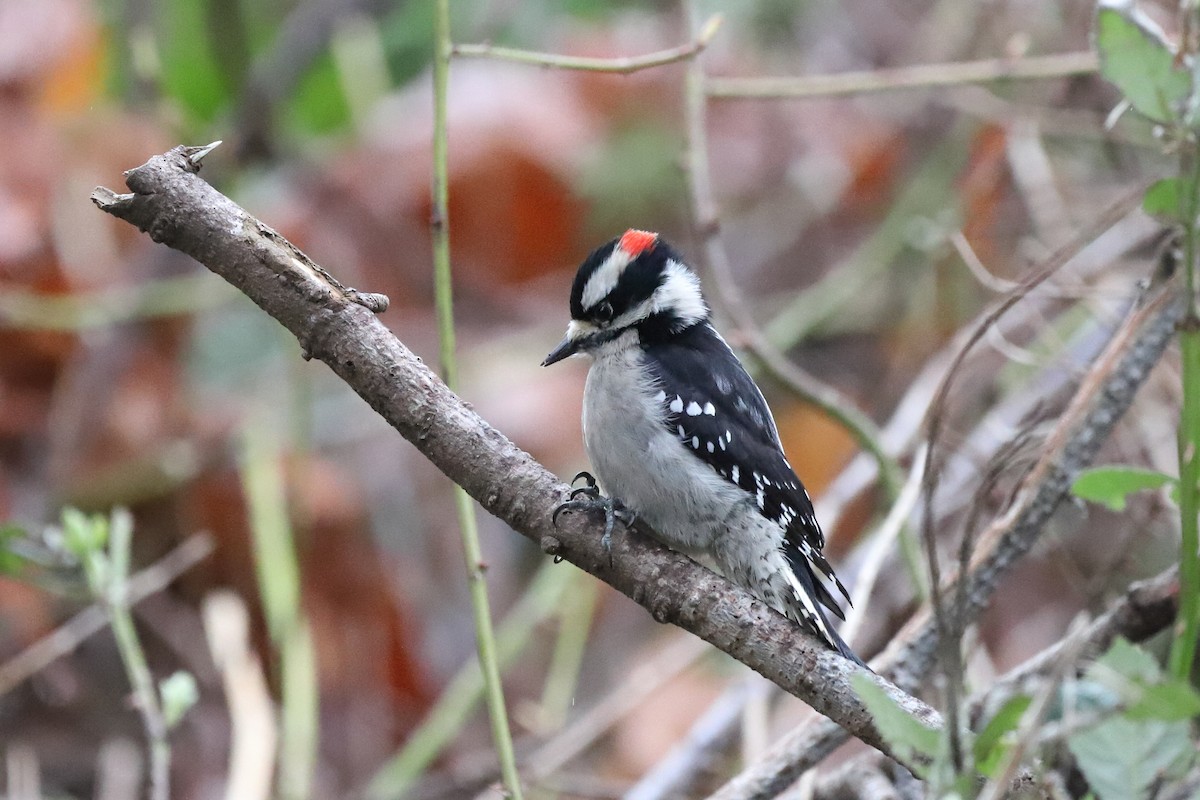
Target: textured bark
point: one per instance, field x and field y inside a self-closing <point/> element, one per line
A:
<point x="336" y="325"/>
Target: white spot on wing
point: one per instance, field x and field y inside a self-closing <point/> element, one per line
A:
<point x="695" y="442"/>
<point x="693" y="409"/>
<point x="710" y="410"/>
<point x="677" y="404"/>
<point x="711" y="449"/>
<point x="737" y="475"/>
<point x="661" y="396"/>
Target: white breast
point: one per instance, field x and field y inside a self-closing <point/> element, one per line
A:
<point x="639" y="462"/>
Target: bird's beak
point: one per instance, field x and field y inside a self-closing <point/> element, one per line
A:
<point x="567" y="347"/>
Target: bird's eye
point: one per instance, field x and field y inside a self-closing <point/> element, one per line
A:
<point x="604" y="312"/>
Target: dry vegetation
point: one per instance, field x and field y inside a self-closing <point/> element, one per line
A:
<point x="936" y="263"/>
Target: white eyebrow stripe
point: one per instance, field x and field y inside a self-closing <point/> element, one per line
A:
<point x="605" y="278"/>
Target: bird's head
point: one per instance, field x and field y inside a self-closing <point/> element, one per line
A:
<point x="635" y="282"/>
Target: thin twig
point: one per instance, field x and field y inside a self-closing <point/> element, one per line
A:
<point x="706" y="221"/>
<point x="921" y="76"/>
<point x="880" y="544"/>
<point x="998" y="787"/>
<point x="949" y="630"/>
<point x="900" y="431"/>
<point x="115" y="598"/>
<point x="621" y="66"/>
<point x="444" y="300"/>
<point x="91" y="620"/>
<point x="279" y="588"/>
<point x="642" y="682"/>
<point x="692" y="761"/>
<point x="254" y="734"/>
<point x="79" y="311"/>
<point x="1144" y="610"/>
<point x="445" y="720"/>
<point x="1100" y="401"/>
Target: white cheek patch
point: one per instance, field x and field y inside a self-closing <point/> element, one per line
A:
<point x="605" y="278"/>
<point x="680" y="294"/>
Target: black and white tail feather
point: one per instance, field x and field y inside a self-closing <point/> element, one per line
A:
<point x="681" y="435"/>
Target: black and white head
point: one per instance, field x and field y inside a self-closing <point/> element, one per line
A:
<point x="632" y="289"/>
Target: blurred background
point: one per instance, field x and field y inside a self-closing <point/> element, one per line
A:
<point x="864" y="232"/>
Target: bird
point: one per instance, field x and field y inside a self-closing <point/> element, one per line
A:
<point x="681" y="439"/>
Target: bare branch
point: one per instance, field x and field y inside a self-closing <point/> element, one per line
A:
<point x="921" y="76"/>
<point x="620" y="66"/>
<point x="177" y="208"/>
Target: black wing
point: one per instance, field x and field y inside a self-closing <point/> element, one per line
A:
<point x="718" y="412"/>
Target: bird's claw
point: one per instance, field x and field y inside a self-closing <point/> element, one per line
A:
<point x="592" y="500"/>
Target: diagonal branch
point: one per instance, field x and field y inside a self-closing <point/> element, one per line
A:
<point x="335" y="325"/>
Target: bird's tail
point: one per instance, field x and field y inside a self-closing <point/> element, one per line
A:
<point x="839" y="644"/>
<point x="811" y="599"/>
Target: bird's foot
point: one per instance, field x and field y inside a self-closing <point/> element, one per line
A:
<point x="588" y="499"/>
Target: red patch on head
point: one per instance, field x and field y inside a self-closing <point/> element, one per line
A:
<point x="636" y="242"/>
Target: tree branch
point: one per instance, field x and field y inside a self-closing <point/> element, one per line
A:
<point x="920" y="76"/>
<point x="335" y="325"/>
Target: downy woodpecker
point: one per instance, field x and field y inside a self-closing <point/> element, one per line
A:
<point x="680" y="436"/>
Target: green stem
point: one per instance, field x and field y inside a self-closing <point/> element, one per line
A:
<point x="278" y="570"/>
<point x="116" y="599"/>
<point x="458" y="699"/>
<point x="444" y="301"/>
<point x="620" y="66"/>
<point x="562" y="677"/>
<point x="1187" y="626"/>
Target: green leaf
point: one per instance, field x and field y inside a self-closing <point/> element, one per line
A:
<point x="179" y="693"/>
<point x="906" y="734"/>
<point x="991" y="744"/>
<point x="189" y="72"/>
<point x="1121" y="758"/>
<point x="1164" y="199"/>
<point x="1168" y="701"/>
<point x="11" y="562"/>
<point x="1111" y="486"/>
<point x="1136" y="57"/>
<point x="83" y="534"/>
<point x="1129" y="661"/>
<point x="318" y="104"/>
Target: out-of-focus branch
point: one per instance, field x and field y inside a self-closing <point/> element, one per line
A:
<point x="1147" y="608"/>
<point x="334" y="324"/>
<point x="92" y="619"/>
<point x="621" y="66"/>
<point x="921" y="76"/>
<point x="1103" y="396"/>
